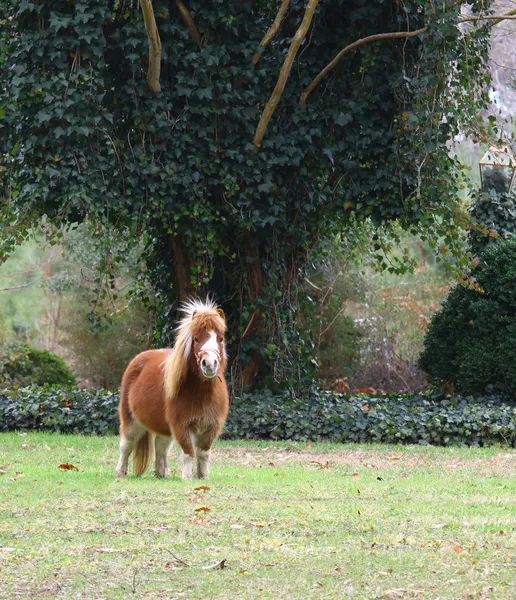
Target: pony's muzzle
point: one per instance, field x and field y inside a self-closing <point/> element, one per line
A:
<point x="209" y="365"/>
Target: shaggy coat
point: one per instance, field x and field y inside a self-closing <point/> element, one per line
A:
<point x="176" y="394"/>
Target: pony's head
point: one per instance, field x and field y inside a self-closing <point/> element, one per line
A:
<point x="199" y="344"/>
<point x="208" y="346"/>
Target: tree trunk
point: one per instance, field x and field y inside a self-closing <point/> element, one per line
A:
<point x="181" y="266"/>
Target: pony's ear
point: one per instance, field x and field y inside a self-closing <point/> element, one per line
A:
<point x="221" y="313"/>
<point x="193" y="314"/>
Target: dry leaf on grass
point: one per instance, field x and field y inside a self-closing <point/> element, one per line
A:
<point x="203" y="509"/>
<point x="202" y="488"/>
<point x="67" y="467"/>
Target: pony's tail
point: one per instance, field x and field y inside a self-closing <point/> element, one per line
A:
<point x="143" y="453"/>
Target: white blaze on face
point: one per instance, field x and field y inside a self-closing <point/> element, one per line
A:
<point x="210" y="356"/>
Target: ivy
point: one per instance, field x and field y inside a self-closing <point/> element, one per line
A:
<point x="84" y="137"/>
<point x="315" y="416"/>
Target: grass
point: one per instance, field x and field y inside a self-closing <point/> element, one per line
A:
<point x="285" y="520"/>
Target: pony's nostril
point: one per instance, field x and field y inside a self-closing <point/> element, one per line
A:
<point x="204" y="364"/>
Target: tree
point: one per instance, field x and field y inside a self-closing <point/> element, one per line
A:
<point x="233" y="202"/>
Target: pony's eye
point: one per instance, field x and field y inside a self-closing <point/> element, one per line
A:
<point x="221" y="339"/>
<point x="196" y="340"/>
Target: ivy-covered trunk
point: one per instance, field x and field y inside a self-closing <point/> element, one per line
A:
<point x="84" y="137"/>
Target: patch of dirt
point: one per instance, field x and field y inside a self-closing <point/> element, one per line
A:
<point x="502" y="463"/>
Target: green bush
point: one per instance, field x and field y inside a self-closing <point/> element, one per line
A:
<point x="56" y="408"/>
<point x="471" y="341"/>
<point x="22" y="365"/>
<point x="408" y="419"/>
<point x="493" y="215"/>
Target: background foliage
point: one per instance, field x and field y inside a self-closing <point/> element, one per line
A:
<point x="471" y="341"/>
<point x="407" y="419"/>
<point x="22" y="365"/>
<point x="85" y="138"/>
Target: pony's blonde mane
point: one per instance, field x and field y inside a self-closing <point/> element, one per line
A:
<point x="175" y="365"/>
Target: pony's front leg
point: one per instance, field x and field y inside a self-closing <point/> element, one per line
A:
<point x="183" y="437"/>
<point x="203" y="443"/>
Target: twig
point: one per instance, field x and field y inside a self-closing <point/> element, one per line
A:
<point x="19" y="287"/>
<point x="249" y="324"/>
<point x="349" y="47"/>
<point x="221" y="564"/>
<point x="154" y="69"/>
<point x="134" y="581"/>
<point x="285" y="72"/>
<point x="511" y="15"/>
<point x="189" y="22"/>
<point x="176" y="558"/>
<point x="273" y="29"/>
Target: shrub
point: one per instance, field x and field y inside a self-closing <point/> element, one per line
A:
<point x="471" y="341"/>
<point x="408" y="419"/>
<point x="494" y="216"/>
<point x="65" y="410"/>
<point x="21" y="364"/>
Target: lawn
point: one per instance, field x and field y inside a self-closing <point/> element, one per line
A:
<point x="276" y="520"/>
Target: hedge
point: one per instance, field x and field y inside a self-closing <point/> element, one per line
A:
<point x="407" y="419"/>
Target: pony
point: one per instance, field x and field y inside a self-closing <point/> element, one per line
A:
<point x="176" y="394"/>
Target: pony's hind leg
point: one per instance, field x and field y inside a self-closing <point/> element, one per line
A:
<point x="129" y="436"/>
<point x="162" y="444"/>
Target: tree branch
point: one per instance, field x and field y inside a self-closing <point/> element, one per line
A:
<point x="189" y="22"/>
<point x="348" y="48"/>
<point x="400" y="34"/>
<point x="511" y="15"/>
<point x="151" y="28"/>
<point x="19" y="287"/>
<point x="285" y="72"/>
<point x="273" y="29"/>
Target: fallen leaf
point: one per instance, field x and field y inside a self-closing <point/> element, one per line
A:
<point x="67" y="467"/>
<point x="270" y="463"/>
<point x="203" y="509"/>
<point x="355" y="475"/>
<point x="202" y="488"/>
<point x="394" y="457"/>
<point x="458" y="549"/>
<point x="358" y="491"/>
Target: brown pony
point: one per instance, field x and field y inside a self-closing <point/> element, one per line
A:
<point x="176" y="394"/>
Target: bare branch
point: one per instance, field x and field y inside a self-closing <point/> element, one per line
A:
<point x="154" y="69"/>
<point x="273" y="29"/>
<point x="19" y="287"/>
<point x="189" y="22"/>
<point x="285" y="72"/>
<point x="348" y="48"/>
<point x="400" y="34"/>
<point x="511" y="15"/>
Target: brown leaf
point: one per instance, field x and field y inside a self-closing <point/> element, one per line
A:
<point x="67" y="467"/>
<point x="203" y="509"/>
<point x="355" y="475"/>
<point x="17" y="475"/>
<point x="394" y="457"/>
<point x="202" y="488"/>
<point x="458" y="549"/>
